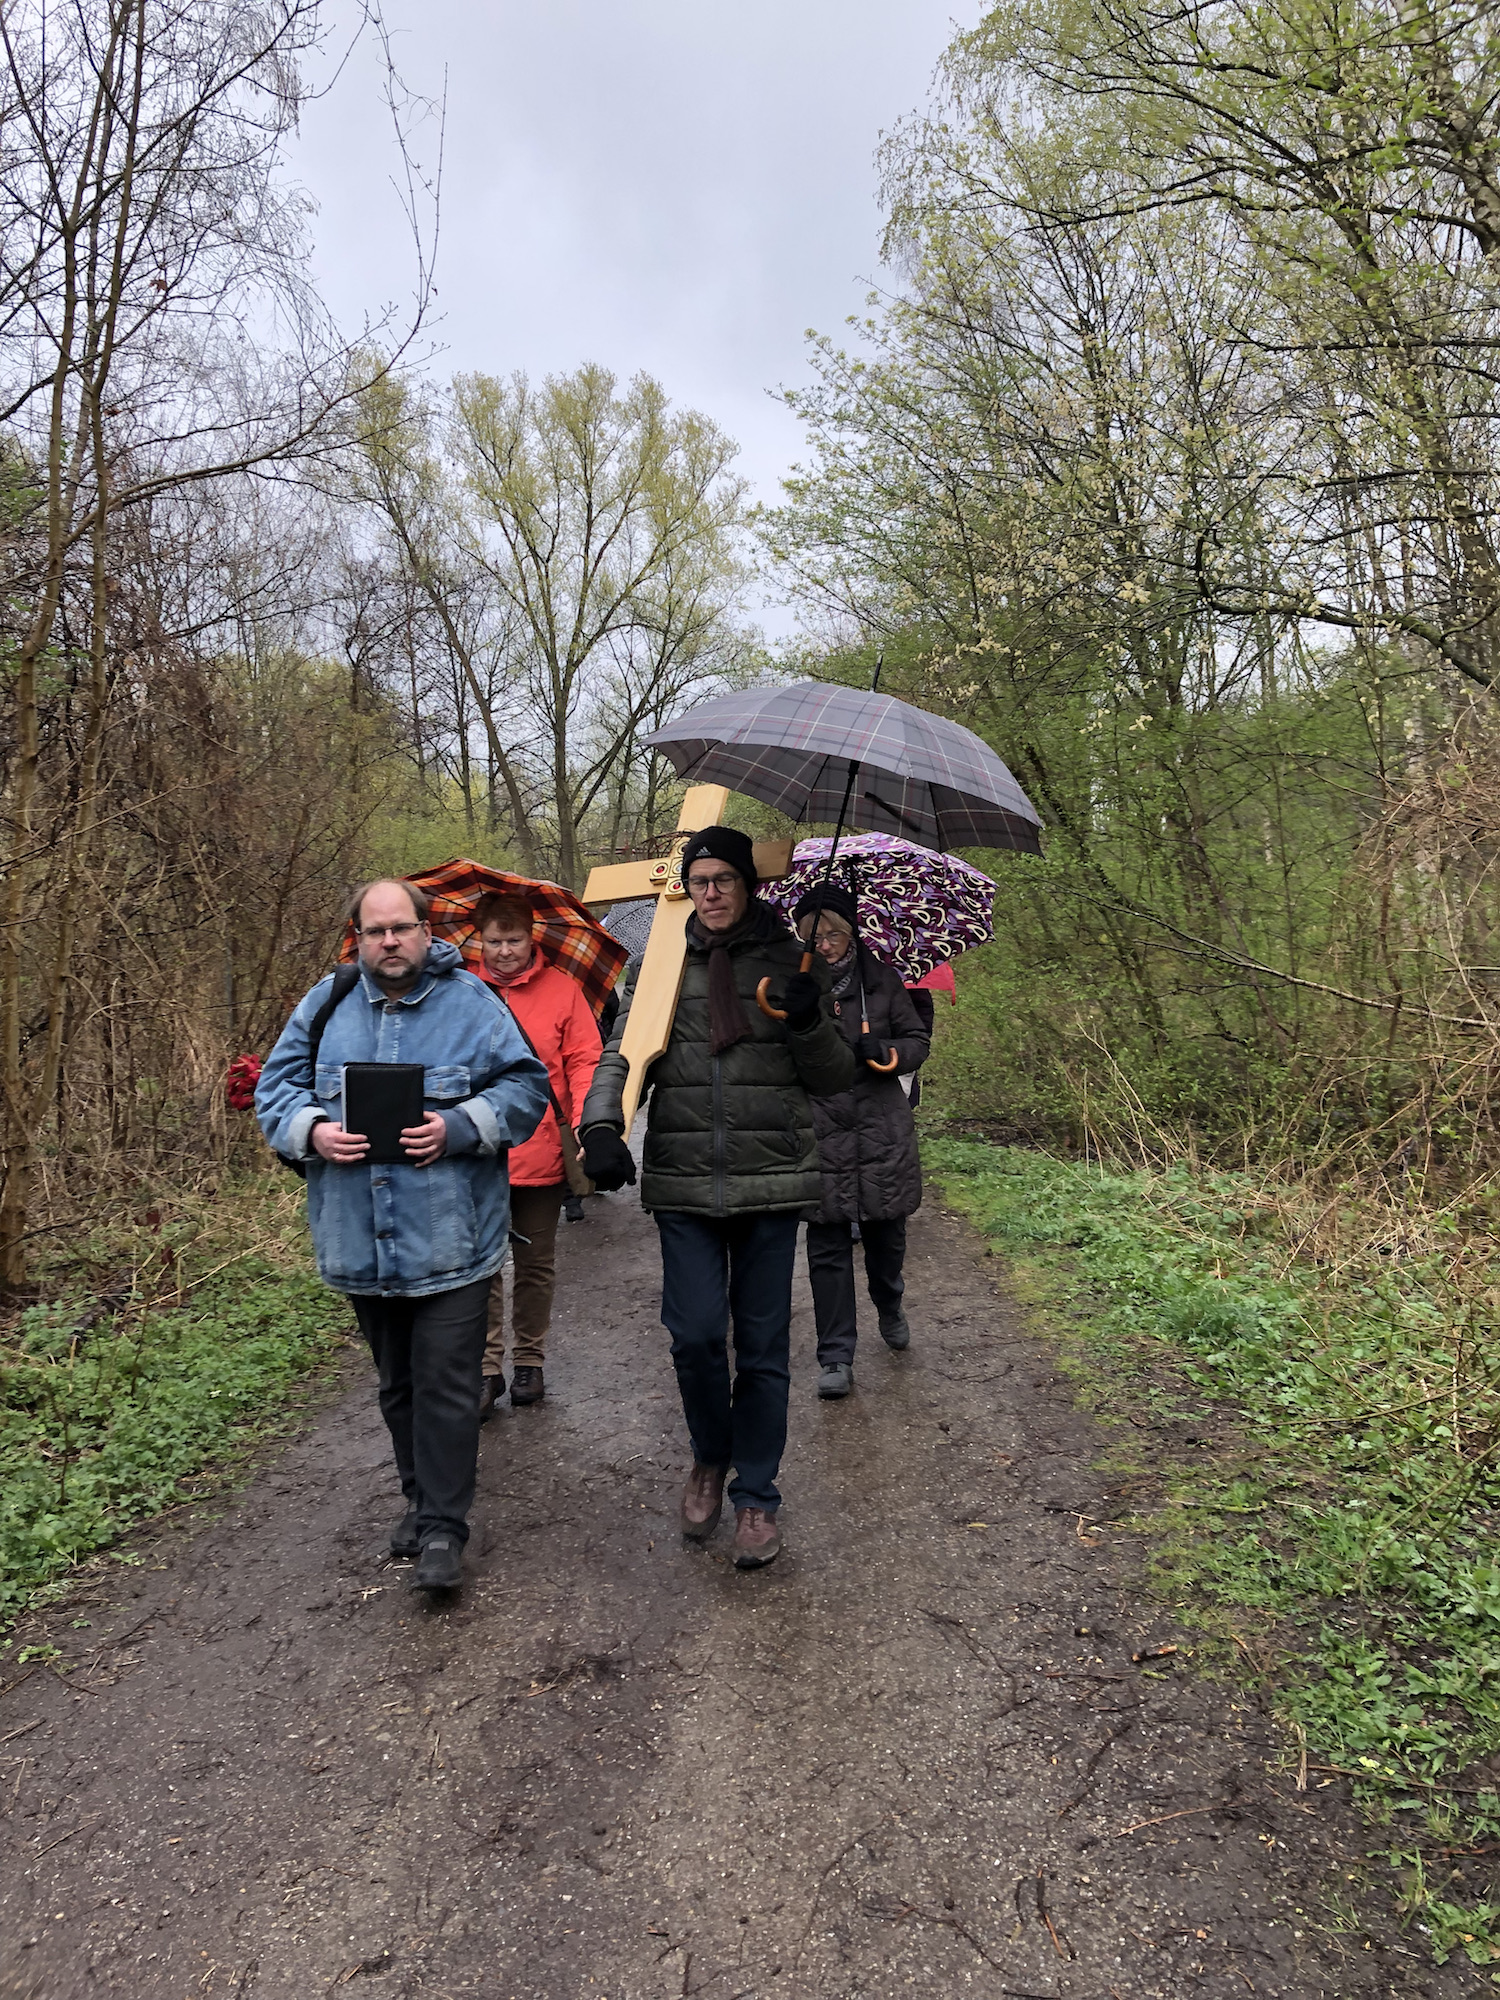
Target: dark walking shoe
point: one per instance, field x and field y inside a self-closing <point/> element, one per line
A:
<point x="573" y="1207"/>
<point x="404" y="1541"/>
<point x="703" y="1501"/>
<point x="491" y="1389"/>
<point x="894" y="1331"/>
<point x="439" y="1566"/>
<point x="837" y="1379"/>
<point x="757" y="1539"/>
<point x="527" y="1386"/>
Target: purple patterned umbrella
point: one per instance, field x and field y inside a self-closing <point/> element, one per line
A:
<point x="916" y="908"/>
<point x="819" y="752"/>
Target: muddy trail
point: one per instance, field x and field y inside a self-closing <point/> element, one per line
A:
<point x="916" y="1754"/>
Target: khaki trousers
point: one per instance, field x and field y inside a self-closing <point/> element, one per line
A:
<point x="533" y="1267"/>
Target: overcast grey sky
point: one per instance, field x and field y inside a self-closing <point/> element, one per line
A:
<point x="683" y="186"/>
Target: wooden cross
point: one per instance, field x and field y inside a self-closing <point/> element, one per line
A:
<point x="653" y="1000"/>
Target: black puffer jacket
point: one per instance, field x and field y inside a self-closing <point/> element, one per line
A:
<point x="867" y="1140"/>
<point x="731" y="1134"/>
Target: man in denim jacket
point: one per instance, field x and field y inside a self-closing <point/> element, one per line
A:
<point x="415" y="1245"/>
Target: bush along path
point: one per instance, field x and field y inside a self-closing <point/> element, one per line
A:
<point x="1306" y="1391"/>
<point x="121" y="1396"/>
<point x="947" y="1744"/>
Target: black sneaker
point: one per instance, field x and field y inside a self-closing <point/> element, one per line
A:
<point x="836" y="1379"/>
<point x="527" y="1386"/>
<point x="404" y="1541"/>
<point x="439" y="1566"/>
<point x="573" y="1207"/>
<point x="894" y="1330"/>
<point x="491" y="1389"/>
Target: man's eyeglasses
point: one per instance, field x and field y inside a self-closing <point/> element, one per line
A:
<point x="387" y="930"/>
<point x="722" y="885"/>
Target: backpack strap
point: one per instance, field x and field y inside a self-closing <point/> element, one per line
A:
<point x="567" y="1133"/>
<point x="345" y="979"/>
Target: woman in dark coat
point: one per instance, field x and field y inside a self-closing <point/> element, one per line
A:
<point x="867" y="1143"/>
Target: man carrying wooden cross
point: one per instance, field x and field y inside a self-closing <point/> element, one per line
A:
<point x="731" y="1167"/>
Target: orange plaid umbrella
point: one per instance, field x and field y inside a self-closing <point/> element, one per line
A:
<point x="564" y="932"/>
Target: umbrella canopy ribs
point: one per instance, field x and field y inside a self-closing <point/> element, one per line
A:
<point x="820" y="752"/>
<point x="815" y="751"/>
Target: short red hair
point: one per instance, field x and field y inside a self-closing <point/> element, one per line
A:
<point x="499" y="909"/>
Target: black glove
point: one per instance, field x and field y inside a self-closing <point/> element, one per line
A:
<point x="803" y="1000"/>
<point x="871" y="1049"/>
<point x="606" y="1159"/>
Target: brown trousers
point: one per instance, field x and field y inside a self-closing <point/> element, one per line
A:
<point x="533" y="1267"/>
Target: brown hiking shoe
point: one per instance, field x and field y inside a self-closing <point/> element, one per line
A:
<point x="526" y="1386"/>
<point x="703" y="1501"/>
<point x="757" y="1539"/>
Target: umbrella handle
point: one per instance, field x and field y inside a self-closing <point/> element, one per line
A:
<point x="777" y="1013"/>
<point x="885" y="1068"/>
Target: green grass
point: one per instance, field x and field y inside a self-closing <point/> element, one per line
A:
<point x="105" y="1424"/>
<point x="1340" y="1528"/>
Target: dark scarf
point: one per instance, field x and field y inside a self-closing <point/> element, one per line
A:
<point x="726" y="1011"/>
<point x="844" y="971"/>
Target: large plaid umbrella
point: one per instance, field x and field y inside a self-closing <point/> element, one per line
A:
<point x="819" y="752"/>
<point x="916" y="908"/>
<point x="562" y="929"/>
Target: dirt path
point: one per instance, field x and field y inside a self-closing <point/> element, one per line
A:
<point x="913" y="1756"/>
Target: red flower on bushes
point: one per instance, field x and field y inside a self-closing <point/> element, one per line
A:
<point x="240" y="1080"/>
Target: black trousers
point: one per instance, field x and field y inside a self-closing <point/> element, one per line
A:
<point x="718" y="1272"/>
<point x="428" y="1352"/>
<point x="830" y="1271"/>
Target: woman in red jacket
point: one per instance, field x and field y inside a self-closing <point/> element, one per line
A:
<point x="559" y="1024"/>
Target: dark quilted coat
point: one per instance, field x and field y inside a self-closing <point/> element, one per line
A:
<point x="867" y="1139"/>
<point x="731" y="1134"/>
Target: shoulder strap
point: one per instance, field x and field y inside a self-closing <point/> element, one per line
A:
<point x="345" y="979"/>
<point x="557" y="1108"/>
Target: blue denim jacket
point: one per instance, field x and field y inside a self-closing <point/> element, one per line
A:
<point x="405" y="1231"/>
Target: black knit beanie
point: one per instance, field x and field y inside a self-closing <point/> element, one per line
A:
<point x="723" y="843"/>
<point x="834" y="899"/>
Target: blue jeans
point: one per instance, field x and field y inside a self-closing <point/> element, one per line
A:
<point x="716" y="1271"/>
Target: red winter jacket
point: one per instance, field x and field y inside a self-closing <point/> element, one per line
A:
<point x="561" y="1025"/>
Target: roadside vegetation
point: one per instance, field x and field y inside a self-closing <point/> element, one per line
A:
<point x="1305" y="1395"/>
<point x="162" y="1349"/>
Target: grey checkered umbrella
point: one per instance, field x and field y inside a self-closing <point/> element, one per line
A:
<point x="630" y="924"/>
<point x="818" y="752"/>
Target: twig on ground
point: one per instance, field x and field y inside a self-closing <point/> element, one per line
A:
<point x="1093" y="1765"/>
<point x="69" y="1834"/>
<point x="812" y="1908"/>
<point x="1186" y="1813"/>
<point x="1059" y="1944"/>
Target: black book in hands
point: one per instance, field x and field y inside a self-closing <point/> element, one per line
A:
<point x="381" y="1101"/>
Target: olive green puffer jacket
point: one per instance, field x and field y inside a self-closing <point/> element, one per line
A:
<point x="731" y="1134"/>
